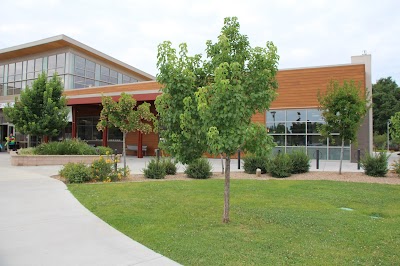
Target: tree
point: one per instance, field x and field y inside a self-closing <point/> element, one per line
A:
<point x="41" y="110"/>
<point x="122" y="115"/>
<point x="210" y="103"/>
<point x="343" y="109"/>
<point x="386" y="102"/>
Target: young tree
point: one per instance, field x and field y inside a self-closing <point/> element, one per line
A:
<point x="343" y="109"/>
<point x="122" y="115"/>
<point x="41" y="110"/>
<point x="210" y="103"/>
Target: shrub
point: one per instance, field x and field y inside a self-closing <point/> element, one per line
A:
<point x="75" y="172"/>
<point x="281" y="166"/>
<point x="154" y="170"/>
<point x="380" y="141"/>
<point x="252" y="162"/>
<point x="300" y="162"/>
<point x="26" y="151"/>
<point x="101" y="150"/>
<point x="375" y="165"/>
<point x="169" y="166"/>
<point x="65" y="147"/>
<point x="199" y="169"/>
<point x="101" y="169"/>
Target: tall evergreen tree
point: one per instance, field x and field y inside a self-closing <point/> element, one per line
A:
<point x="41" y="109"/>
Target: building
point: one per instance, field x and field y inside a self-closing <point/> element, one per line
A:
<point x="88" y="74"/>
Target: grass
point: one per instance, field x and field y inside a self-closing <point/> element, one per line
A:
<point x="276" y="222"/>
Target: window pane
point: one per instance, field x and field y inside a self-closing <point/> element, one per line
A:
<point x="79" y="62"/>
<point x="90" y="65"/>
<point x="11" y="69"/>
<point x="314" y="115"/>
<point x="312" y="127"/>
<point x="296" y="115"/>
<point x="113" y="74"/>
<point x="279" y="140"/>
<point x="52" y="62"/>
<point x="276" y="128"/>
<point x="60" y="70"/>
<point x="274" y="115"/>
<point x="30" y="75"/>
<point x="316" y="141"/>
<point x="113" y="80"/>
<point x="31" y="66"/>
<point x="296" y="140"/>
<point x="105" y="71"/>
<point x="79" y="72"/>
<point x="312" y="152"/>
<point x="1" y="71"/>
<point x="334" y="154"/>
<point x="38" y="64"/>
<point x="336" y="141"/>
<point x="18" y="68"/>
<point x="90" y="74"/>
<point x="60" y="60"/>
<point x="89" y="83"/>
<point x="295" y="127"/>
<point x="293" y="149"/>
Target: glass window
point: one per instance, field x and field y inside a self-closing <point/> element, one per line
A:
<point x="295" y="127"/>
<point x="79" y="62"/>
<point x="18" y="68"/>
<point x="296" y="140"/>
<point x="275" y="115"/>
<point x="316" y="141"/>
<point x="293" y="149"/>
<point x="334" y="154"/>
<point x="312" y="152"/>
<point x="279" y="140"/>
<point x="52" y="62"/>
<point x="296" y="115"/>
<point x="60" y="60"/>
<point x="90" y="66"/>
<point x="11" y="69"/>
<point x="312" y="127"/>
<point x="90" y="74"/>
<point x="38" y="64"/>
<point x="31" y="66"/>
<point x="336" y="141"/>
<point x="79" y="72"/>
<point x="314" y="115"/>
<point x="276" y="128"/>
<point x="114" y="134"/>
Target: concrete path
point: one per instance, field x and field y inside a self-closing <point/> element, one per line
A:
<point x="41" y="223"/>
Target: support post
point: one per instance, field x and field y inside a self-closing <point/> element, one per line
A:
<point x="73" y="122"/>
<point x="158" y="155"/>
<point x="317" y="159"/>
<point x="238" y="159"/>
<point x="115" y="160"/>
<point x="358" y="159"/>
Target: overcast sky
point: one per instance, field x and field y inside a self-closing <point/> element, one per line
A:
<point x="307" y="33"/>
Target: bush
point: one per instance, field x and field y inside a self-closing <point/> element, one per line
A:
<point x="380" y="141"/>
<point x="396" y="167"/>
<point x="26" y="151"/>
<point x="375" y="165"/>
<point x="101" y="150"/>
<point x="154" y="170"/>
<point x="199" y="169"/>
<point x="300" y="162"/>
<point x="252" y="162"/>
<point x="75" y="172"/>
<point x="281" y="166"/>
<point x="65" y="147"/>
<point x="101" y="169"/>
<point x="169" y="166"/>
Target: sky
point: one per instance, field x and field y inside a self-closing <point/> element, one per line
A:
<point x="307" y="33"/>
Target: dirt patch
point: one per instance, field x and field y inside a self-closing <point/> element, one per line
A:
<point x="391" y="178"/>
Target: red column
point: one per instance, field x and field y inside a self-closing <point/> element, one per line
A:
<point x="140" y="140"/>
<point x="73" y="122"/>
<point x="105" y="137"/>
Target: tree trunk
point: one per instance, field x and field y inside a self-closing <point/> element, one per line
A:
<point x="225" y="218"/>
<point x="45" y="139"/>
<point x="341" y="157"/>
<point x="123" y="151"/>
<point x="222" y="164"/>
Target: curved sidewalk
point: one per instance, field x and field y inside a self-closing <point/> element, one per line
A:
<point x="41" y="223"/>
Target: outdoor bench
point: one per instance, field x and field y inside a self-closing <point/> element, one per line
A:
<point x="135" y="148"/>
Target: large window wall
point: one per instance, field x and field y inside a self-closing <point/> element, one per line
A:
<point x="87" y="130"/>
<point x="75" y="71"/>
<point x="296" y="129"/>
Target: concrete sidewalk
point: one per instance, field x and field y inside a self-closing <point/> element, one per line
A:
<point x="41" y="223"/>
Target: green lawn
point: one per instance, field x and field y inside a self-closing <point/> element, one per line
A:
<point x="276" y="222"/>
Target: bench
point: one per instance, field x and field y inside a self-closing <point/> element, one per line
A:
<point x="135" y="148"/>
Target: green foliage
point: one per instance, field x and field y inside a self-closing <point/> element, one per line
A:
<point x="26" y="151"/>
<point x="154" y="170"/>
<point x="76" y="172"/>
<point x="395" y="127"/>
<point x="169" y="166"/>
<point x="101" y="169"/>
<point x="375" y="165"/>
<point x="252" y="162"/>
<point x="258" y="141"/>
<point x="386" y="102"/>
<point x="65" y="147"/>
<point x="380" y="141"/>
<point x="42" y="109"/>
<point x="101" y="150"/>
<point x="281" y="166"/>
<point x="300" y="162"/>
<point x="199" y="169"/>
